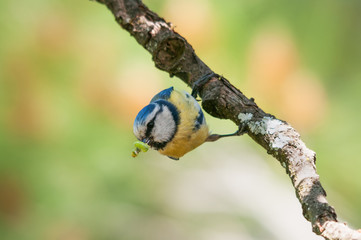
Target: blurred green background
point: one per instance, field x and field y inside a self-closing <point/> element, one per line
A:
<point x="72" y="81"/>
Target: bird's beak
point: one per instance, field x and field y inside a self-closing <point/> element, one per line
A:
<point x="146" y="140"/>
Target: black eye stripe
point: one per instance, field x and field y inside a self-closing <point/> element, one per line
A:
<point x="150" y="127"/>
<point x="150" y="124"/>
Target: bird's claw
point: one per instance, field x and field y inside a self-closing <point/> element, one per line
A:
<point x="199" y="83"/>
<point x="241" y="130"/>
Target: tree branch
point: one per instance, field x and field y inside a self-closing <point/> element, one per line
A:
<point x="173" y="54"/>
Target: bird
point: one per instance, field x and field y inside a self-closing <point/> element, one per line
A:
<point x="173" y="123"/>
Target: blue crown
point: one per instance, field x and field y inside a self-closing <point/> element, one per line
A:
<point x="142" y="115"/>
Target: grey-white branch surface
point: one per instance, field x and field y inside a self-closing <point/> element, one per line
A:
<point x="173" y="54"/>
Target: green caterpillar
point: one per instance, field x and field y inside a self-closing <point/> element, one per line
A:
<point x="139" y="146"/>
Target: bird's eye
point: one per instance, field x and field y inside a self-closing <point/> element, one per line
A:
<point x="150" y="124"/>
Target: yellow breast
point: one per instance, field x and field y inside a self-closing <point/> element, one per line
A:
<point x="187" y="137"/>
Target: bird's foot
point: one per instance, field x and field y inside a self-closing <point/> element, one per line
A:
<point x="241" y="130"/>
<point x="199" y="83"/>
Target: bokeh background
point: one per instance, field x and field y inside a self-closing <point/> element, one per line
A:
<point x="72" y="81"/>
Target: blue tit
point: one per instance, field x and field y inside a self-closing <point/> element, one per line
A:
<point x="173" y="124"/>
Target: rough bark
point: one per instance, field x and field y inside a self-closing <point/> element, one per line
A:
<point x="173" y="54"/>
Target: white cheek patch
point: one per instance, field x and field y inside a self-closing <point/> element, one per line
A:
<point x="152" y="114"/>
<point x="140" y="128"/>
<point x="164" y="126"/>
<point x="139" y="131"/>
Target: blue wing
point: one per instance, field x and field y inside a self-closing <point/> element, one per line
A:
<point x="200" y="120"/>
<point x="165" y="94"/>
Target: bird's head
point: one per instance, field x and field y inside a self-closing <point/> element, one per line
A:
<point x="156" y="124"/>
